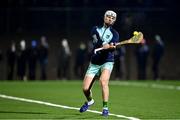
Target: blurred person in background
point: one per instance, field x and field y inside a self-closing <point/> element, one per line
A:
<point x="158" y="51"/>
<point x="22" y="60"/>
<point x="32" y="59"/>
<point x="64" y="55"/>
<point x="1" y="64"/>
<point x="142" y="53"/>
<point x="101" y="63"/>
<point x="80" y="59"/>
<point x="1" y="56"/>
<point x="43" y="57"/>
<point x="11" y="55"/>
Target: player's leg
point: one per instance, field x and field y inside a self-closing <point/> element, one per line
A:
<point x="87" y="85"/>
<point x="104" y="81"/>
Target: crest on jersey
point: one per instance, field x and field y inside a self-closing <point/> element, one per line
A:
<point x="107" y="36"/>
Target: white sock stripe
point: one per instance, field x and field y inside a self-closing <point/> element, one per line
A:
<point x="91" y="102"/>
<point x="60" y="106"/>
<point x="106" y="108"/>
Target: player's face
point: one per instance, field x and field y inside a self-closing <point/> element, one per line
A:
<point x="109" y="20"/>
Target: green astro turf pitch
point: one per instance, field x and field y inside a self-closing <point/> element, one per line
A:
<point x="142" y="100"/>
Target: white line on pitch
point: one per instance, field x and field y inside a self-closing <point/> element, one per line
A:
<point x="151" y="85"/>
<point x="61" y="106"/>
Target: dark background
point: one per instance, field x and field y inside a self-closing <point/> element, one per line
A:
<point x="73" y="19"/>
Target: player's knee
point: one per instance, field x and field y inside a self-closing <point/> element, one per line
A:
<point x="104" y="83"/>
<point x="85" y="89"/>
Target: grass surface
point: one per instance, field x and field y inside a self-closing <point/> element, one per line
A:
<point x="140" y="99"/>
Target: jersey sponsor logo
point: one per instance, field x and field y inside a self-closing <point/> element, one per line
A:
<point x="105" y="34"/>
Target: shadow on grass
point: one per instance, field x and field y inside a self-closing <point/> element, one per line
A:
<point x="80" y="116"/>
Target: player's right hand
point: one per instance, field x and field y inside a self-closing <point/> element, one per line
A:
<point x="106" y="46"/>
<point x="109" y="46"/>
